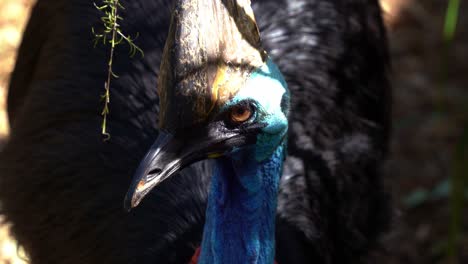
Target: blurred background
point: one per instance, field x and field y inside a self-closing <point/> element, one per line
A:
<point x="428" y="162"/>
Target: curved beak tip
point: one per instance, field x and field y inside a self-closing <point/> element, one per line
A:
<point x="128" y="204"/>
<point x="132" y="199"/>
<point x="135" y="195"/>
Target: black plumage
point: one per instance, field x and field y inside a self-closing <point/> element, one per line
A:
<point x="62" y="187"/>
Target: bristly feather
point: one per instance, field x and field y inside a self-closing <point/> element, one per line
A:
<point x="62" y="187"/>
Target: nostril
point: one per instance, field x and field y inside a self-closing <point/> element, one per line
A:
<point x="154" y="171"/>
<point x="153" y="174"/>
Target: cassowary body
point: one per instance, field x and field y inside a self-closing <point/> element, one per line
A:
<point x="62" y="186"/>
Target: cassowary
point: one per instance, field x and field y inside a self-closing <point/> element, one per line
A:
<point x="62" y="186"/>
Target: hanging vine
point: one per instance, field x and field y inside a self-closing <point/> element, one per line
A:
<point x="111" y="34"/>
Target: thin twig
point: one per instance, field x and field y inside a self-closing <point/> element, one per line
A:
<point x="111" y="27"/>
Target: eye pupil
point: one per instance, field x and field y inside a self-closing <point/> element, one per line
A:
<point x="241" y="113"/>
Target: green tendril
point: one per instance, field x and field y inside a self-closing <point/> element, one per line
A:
<point x="111" y="34"/>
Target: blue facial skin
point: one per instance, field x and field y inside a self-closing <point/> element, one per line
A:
<point x="240" y="220"/>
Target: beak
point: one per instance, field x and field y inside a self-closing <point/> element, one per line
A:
<point x="169" y="154"/>
<point x="159" y="163"/>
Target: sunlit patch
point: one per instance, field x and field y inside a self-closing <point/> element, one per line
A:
<point x="13" y="17"/>
<point x="10" y="36"/>
<point x="4" y="129"/>
<point x="10" y="251"/>
<point x="391" y="9"/>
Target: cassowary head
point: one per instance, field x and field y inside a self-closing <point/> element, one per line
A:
<point x="220" y="93"/>
<point x="221" y="97"/>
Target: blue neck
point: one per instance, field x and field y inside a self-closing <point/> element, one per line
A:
<point x="240" y="219"/>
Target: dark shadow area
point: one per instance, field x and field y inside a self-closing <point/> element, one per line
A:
<point x="429" y="112"/>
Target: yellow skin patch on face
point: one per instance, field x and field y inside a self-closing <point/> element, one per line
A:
<point x="227" y="83"/>
<point x="214" y="155"/>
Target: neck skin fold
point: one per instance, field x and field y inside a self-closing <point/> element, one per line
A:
<point x="241" y="212"/>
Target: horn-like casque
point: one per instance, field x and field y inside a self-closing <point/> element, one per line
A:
<point x="211" y="48"/>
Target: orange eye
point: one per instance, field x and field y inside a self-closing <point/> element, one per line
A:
<point x="241" y="113"/>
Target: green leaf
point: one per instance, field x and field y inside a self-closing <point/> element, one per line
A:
<point x="442" y="190"/>
<point x="451" y="18"/>
<point x="416" y="198"/>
